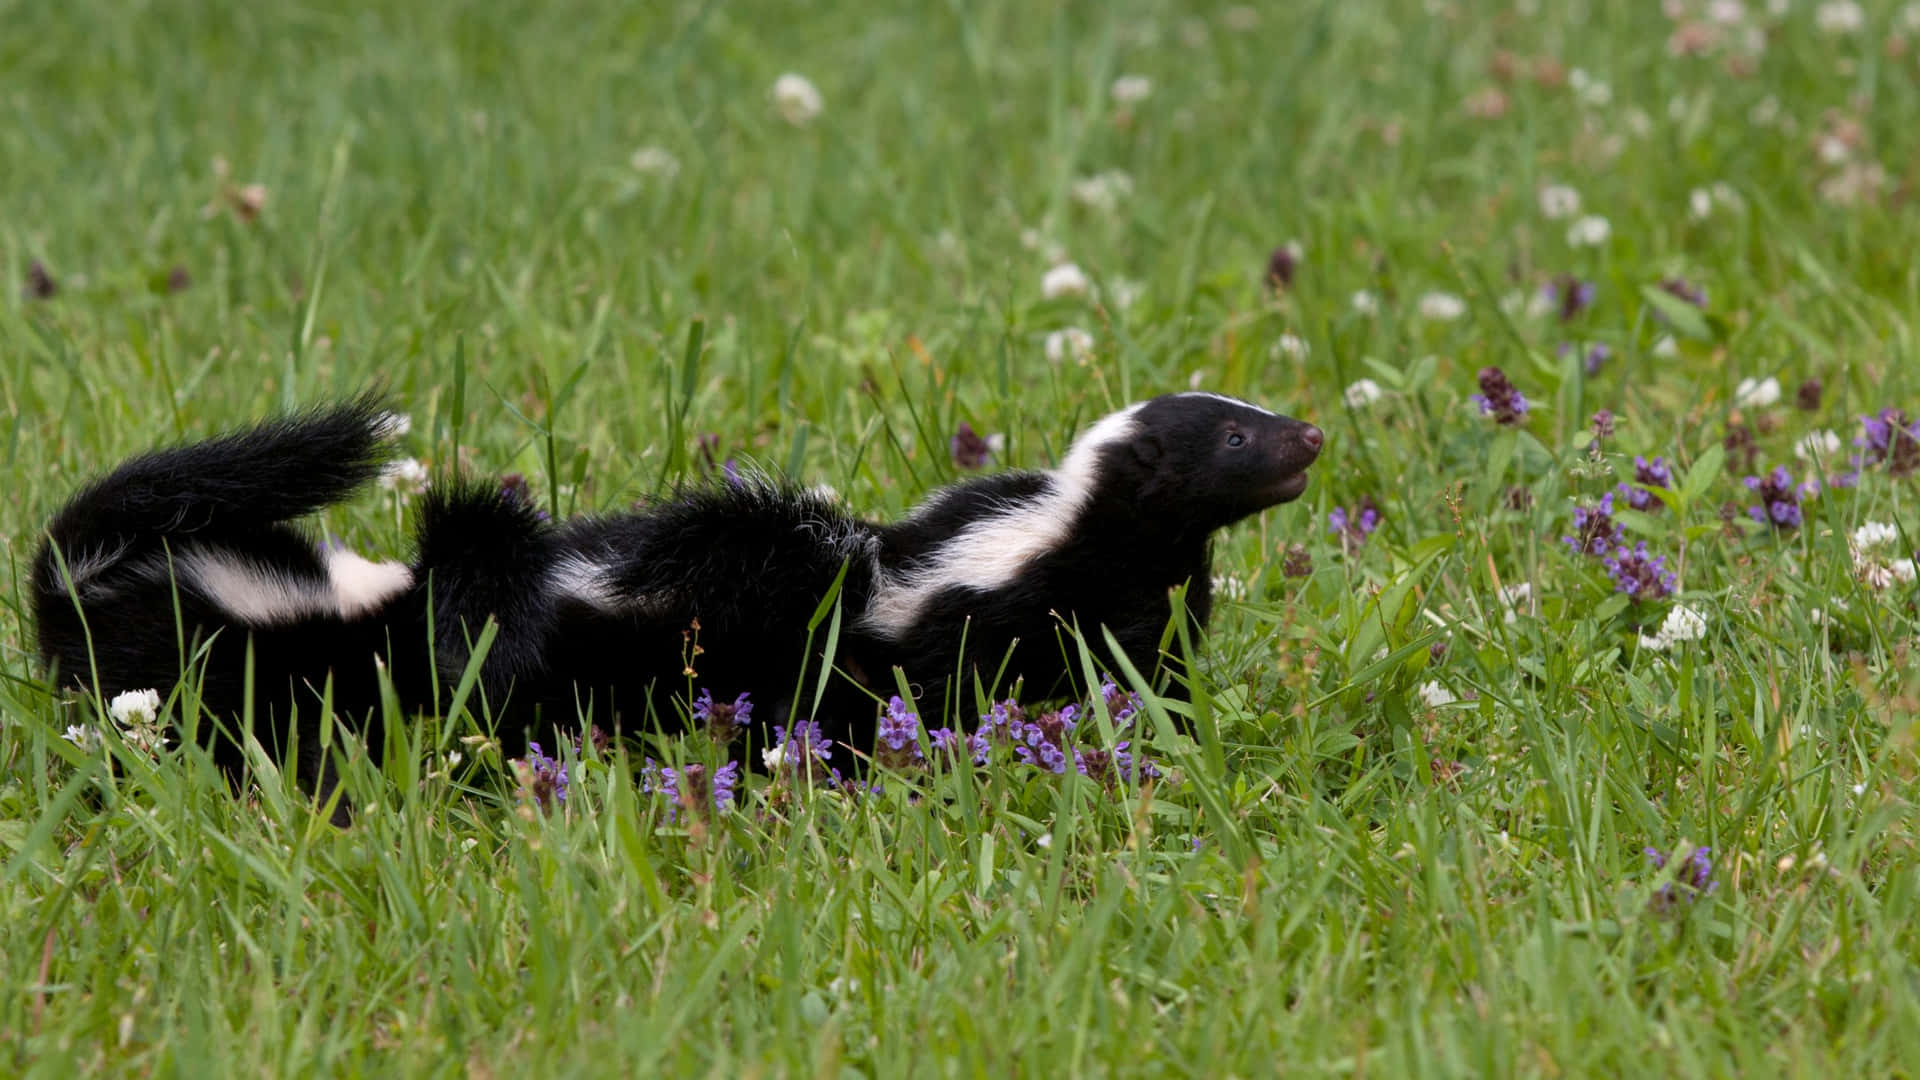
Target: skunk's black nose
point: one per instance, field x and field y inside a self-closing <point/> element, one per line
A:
<point x="1311" y="438"/>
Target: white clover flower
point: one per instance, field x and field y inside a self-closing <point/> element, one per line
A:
<point x="774" y="757"/>
<point x="135" y="707"/>
<point x="1699" y="204"/>
<point x="1726" y="12"/>
<point x="408" y="476"/>
<point x="1757" y="393"/>
<point x="798" y="100"/>
<point x="1832" y="150"/>
<point x="1067" y="279"/>
<point x="1559" y="201"/>
<point x="1839" y="17"/>
<point x="1365" y="303"/>
<point x="1874" y="534"/>
<point x="655" y="161"/>
<point x="1362" y="393"/>
<point x="1292" y="347"/>
<point x="84" y="736"/>
<point x="1436" y="695"/>
<point x="1442" y="307"/>
<point x="1665" y="347"/>
<point x="145" y="738"/>
<point x="1589" y="91"/>
<point x="1514" y="597"/>
<point x="1682" y="624"/>
<point x="1589" y="231"/>
<point x="1229" y="586"/>
<point x="1817" y="446"/>
<point x="1131" y="89"/>
<point x="1103" y="191"/>
<point x="1072" y="342"/>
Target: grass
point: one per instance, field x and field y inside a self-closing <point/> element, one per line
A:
<point x="1339" y="877"/>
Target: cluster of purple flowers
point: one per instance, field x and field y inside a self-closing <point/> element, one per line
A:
<point x="1888" y="439"/>
<point x="543" y="779"/>
<point x="691" y="787"/>
<point x="1642" y="576"/>
<point x="722" y="721"/>
<point x="1045" y="740"/>
<point x="899" y="738"/>
<point x="1499" y="398"/>
<point x="1780" y="498"/>
<point x="1694" y="880"/>
<point x="1646" y="476"/>
<point x="1354" y="524"/>
<point x="1594" y="530"/>
<point x="1569" y="295"/>
<point x="1639" y="575"/>
<point x="969" y="449"/>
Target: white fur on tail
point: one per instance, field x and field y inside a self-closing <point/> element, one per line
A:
<point x="361" y="585"/>
<point x="989" y="553"/>
<point x="260" y="595"/>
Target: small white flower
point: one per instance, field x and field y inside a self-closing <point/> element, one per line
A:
<point x="1756" y="393"/>
<point x="1559" y="201"/>
<point x="1665" y="347"/>
<point x="1817" y="446"/>
<point x="84" y="736"/>
<point x="135" y="707"/>
<point x="774" y="757"/>
<point x="1131" y="89"/>
<point x="1365" y="303"/>
<point x="1072" y="343"/>
<point x="408" y="476"/>
<point x="1874" y="534"/>
<point x="1699" y="204"/>
<point x="796" y="97"/>
<point x="1229" y="586"/>
<point x="1292" y="347"/>
<point x="1442" y="307"/>
<point x="1589" y="91"/>
<point x="1362" y="393"/>
<point x="1103" y="191"/>
<point x="145" y="738"/>
<point x="1682" y="624"/>
<point x="655" y="161"/>
<point x="1859" y="789"/>
<point x="1436" y="695"/>
<point x="1045" y="840"/>
<point x="1589" y="231"/>
<point x="1515" y="597"/>
<point x="469" y="843"/>
<point x="1817" y="617"/>
<point x="1839" y="17"/>
<point x="454" y="758"/>
<point x="1067" y="279"/>
<point x="1727" y="12"/>
<point x="1832" y="149"/>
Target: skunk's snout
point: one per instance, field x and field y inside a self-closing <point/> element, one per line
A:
<point x="1299" y="445"/>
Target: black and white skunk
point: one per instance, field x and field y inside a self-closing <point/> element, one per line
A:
<point x="187" y="558"/>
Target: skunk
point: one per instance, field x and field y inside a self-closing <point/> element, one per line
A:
<point x="186" y="559"/>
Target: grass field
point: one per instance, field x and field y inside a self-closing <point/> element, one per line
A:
<point x="1410" y="836"/>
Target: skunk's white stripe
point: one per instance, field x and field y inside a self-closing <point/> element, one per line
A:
<point x="255" y="594"/>
<point x="1228" y="400"/>
<point x="361" y="585"/>
<point x="989" y="553"/>
<point x="580" y="578"/>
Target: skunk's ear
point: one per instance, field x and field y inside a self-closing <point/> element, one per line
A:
<point x="1147" y="449"/>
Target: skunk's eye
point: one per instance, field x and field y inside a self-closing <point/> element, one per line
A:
<point x="1234" y="438"/>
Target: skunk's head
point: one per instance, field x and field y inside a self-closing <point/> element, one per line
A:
<point x="1203" y="459"/>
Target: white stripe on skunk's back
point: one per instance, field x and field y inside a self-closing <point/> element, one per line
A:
<point x="990" y="553"/>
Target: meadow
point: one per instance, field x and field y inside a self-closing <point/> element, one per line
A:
<point x="1564" y="727"/>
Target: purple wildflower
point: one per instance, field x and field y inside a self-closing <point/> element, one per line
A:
<point x="1694" y="880"/>
<point x="1108" y="768"/>
<point x="40" y="284"/>
<point x="543" y="779"/>
<point x="1123" y="706"/>
<point x="1889" y="439"/>
<point x="1356" y="524"/>
<point x="691" y="787"/>
<point x="1043" y="742"/>
<point x="1499" y="398"/>
<point x="979" y="747"/>
<point x="1596" y="358"/>
<point x="1594" y="530"/>
<point x="1647" y="475"/>
<point x="1603" y="424"/>
<point x="899" y="742"/>
<point x="1281" y="266"/>
<point x="732" y="472"/>
<point x="969" y="449"/>
<point x="1569" y="295"/>
<point x="723" y="721"/>
<point x="945" y="742"/>
<point x="1640" y="576"/>
<point x="804" y="752"/>
<point x="1780" y="497"/>
<point x="1740" y="445"/>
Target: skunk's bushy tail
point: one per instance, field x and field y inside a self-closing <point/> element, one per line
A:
<point x="201" y="514"/>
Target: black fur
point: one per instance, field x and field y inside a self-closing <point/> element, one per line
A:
<point x="594" y="615"/>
